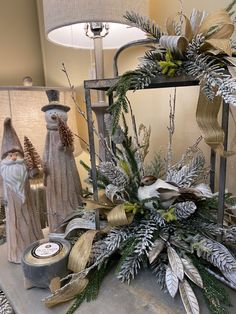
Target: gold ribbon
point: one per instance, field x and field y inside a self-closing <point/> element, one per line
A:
<point x="118" y="216"/>
<point x="80" y="252"/>
<point x="217" y="27"/>
<point x="206" y="116"/>
<point x="115" y="212"/>
<point x="222" y="29"/>
<point x="170" y="26"/>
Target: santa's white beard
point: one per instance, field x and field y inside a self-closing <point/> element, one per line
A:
<point x="14" y="174"/>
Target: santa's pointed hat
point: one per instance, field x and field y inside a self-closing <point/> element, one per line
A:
<point x="10" y="140"/>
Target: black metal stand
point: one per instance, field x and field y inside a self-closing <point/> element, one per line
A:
<point x="223" y="164"/>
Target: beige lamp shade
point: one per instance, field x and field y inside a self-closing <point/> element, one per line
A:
<point x="64" y="21"/>
<point x="23" y="105"/>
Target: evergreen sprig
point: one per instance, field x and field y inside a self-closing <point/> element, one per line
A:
<point x="215" y="294"/>
<point x="152" y="30"/>
<point x="131" y="80"/>
<point x="91" y="291"/>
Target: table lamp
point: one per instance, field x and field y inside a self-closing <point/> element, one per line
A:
<point x="73" y="23"/>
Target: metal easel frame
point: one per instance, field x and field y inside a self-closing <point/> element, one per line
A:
<point x="159" y="82"/>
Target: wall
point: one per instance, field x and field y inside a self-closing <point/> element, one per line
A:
<point x="20" y="53"/>
<point x="160" y="10"/>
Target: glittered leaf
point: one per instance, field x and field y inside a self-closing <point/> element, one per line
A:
<point x="156" y="250"/>
<point x="175" y="263"/>
<point x="172" y="282"/>
<point x="192" y="272"/>
<point x="188" y="298"/>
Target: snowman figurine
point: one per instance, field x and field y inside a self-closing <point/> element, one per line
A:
<point x="62" y="181"/>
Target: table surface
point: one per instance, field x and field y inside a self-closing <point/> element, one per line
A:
<point x="143" y="296"/>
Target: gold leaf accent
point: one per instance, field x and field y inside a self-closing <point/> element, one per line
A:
<point x="80" y="252"/>
<point x="175" y="263"/>
<point x="172" y="282"/>
<point x="158" y="246"/>
<point x="192" y="272"/>
<point x="188" y="298"/>
<point x="55" y="284"/>
<point x="66" y="293"/>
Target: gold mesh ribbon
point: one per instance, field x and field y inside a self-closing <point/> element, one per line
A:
<point x="206" y="116"/>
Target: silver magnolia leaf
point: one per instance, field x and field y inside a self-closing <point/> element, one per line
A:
<point x="204" y="189"/>
<point x="172" y="282"/>
<point x="158" y="246"/>
<point x="230" y="275"/>
<point x="188" y="298"/>
<point x="192" y="272"/>
<point x="175" y="263"/>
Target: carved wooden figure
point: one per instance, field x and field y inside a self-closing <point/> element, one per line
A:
<point x="22" y="219"/>
<point x="63" y="186"/>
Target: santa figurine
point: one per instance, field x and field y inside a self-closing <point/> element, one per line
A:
<point x="62" y="181"/>
<point x="22" y="219"/>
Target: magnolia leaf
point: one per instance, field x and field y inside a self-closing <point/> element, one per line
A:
<point x="67" y="292"/>
<point x="188" y="298"/>
<point x="156" y="250"/>
<point x="192" y="272"/>
<point x="204" y="189"/>
<point x="175" y="263"/>
<point x="172" y="282"/>
<point x="231" y="276"/>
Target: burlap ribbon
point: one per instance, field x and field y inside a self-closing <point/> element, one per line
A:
<point x="217" y="27"/>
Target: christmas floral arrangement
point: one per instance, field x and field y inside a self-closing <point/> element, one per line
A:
<point x="161" y="216"/>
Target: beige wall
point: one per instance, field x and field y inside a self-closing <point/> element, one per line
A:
<point x="20" y="52"/>
<point x="160" y="10"/>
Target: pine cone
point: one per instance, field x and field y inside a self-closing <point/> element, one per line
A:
<point x="114" y="174"/>
<point x="66" y="136"/>
<point x="184" y="210"/>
